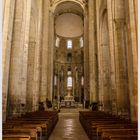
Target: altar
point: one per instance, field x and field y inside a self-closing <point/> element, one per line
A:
<point x="68" y="100"/>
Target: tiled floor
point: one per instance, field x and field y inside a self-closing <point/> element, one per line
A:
<point x="68" y="127"/>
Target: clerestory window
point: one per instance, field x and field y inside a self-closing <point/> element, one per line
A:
<point x="81" y="42"/>
<point x="69" y="44"/>
<point x="57" y="42"/>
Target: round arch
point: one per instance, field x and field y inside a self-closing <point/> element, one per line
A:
<point x="59" y="2"/>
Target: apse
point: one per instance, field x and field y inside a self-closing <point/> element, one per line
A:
<point x="69" y="25"/>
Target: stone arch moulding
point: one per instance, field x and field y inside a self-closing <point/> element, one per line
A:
<point x="55" y="3"/>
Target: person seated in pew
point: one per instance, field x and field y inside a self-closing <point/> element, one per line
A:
<point x="55" y="104"/>
<point x="41" y="106"/>
<point x="48" y="103"/>
<point x="95" y="105"/>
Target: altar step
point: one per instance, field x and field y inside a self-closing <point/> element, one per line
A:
<point x="72" y="110"/>
<point x="70" y="104"/>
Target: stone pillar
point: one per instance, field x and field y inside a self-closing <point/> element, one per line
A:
<point x="133" y="58"/>
<point x="86" y="58"/>
<point x="31" y="59"/>
<point x="8" y="17"/>
<point x="79" y="85"/>
<point x="73" y="84"/>
<point x="92" y="53"/>
<point x="99" y="50"/>
<point x="36" y="81"/>
<point x="76" y="81"/>
<point x="121" y="69"/>
<point x="55" y="85"/>
<point x="45" y="47"/>
<point x="120" y="59"/>
<point x="112" y="57"/>
<point x="58" y="84"/>
<point x="19" y="55"/>
<point x="50" y="56"/>
<point x="25" y="42"/>
<point x="103" y="60"/>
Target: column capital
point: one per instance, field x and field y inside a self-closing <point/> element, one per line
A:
<point x="51" y="10"/>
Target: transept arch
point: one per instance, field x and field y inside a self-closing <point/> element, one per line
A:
<point x="54" y="4"/>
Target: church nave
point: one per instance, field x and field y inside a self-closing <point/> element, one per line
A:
<point x="68" y="127"/>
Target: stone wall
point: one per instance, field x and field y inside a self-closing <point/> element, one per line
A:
<point x="114" y="62"/>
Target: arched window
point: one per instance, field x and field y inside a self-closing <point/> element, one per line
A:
<point x="57" y="42"/>
<point x="81" y="42"/>
<point x="69" y="81"/>
<point x="55" y="80"/>
<point x="82" y="80"/>
<point x="69" y="44"/>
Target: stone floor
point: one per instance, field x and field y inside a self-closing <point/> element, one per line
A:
<point x="68" y="126"/>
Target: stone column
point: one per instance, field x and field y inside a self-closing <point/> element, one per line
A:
<point x="79" y="85"/>
<point x="86" y="58"/>
<point x="58" y="84"/>
<point x="120" y="58"/>
<point x="76" y="80"/>
<point x="103" y="61"/>
<point x="133" y="58"/>
<point x="92" y="53"/>
<point x="99" y="50"/>
<point x="44" y="53"/>
<point x="50" y="55"/>
<point x="121" y="69"/>
<point x="19" y="54"/>
<point x="55" y="86"/>
<point x="8" y="17"/>
<point x="36" y="81"/>
<point x="24" y="60"/>
<point x="112" y="57"/>
<point x="73" y="84"/>
<point x="31" y="59"/>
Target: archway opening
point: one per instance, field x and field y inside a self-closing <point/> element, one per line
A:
<point x="69" y="53"/>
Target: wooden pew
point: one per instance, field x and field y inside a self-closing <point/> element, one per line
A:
<point x="24" y="126"/>
<point x="16" y="137"/>
<point x="102" y="128"/>
<point x="107" y="133"/>
<point x="16" y="131"/>
<point x="40" y="121"/>
<point x="120" y="137"/>
<point x="96" y="122"/>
